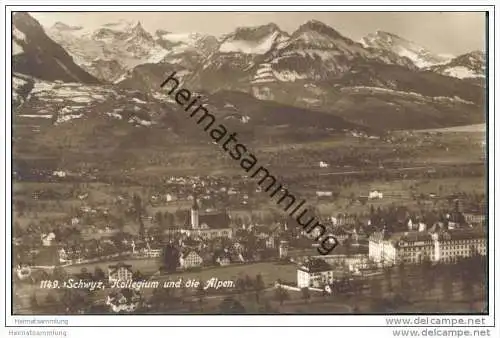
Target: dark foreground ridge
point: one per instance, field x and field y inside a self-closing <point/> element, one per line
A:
<point x="248" y="161"/>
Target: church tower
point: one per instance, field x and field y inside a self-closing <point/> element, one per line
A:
<point x="195" y="211"/>
<point x="283" y="249"/>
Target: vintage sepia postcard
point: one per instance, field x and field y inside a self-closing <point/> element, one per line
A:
<point x="250" y="163"/>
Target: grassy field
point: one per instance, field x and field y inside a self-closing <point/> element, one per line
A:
<point x="145" y="266"/>
<point x="397" y="192"/>
<point x="432" y="299"/>
<point x="442" y="296"/>
<point x="195" y="158"/>
<point x="269" y="271"/>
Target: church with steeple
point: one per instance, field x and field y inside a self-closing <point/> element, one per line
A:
<point x="207" y="224"/>
<point x="195" y="213"/>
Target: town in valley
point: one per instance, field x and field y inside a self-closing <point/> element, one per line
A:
<point x="120" y="204"/>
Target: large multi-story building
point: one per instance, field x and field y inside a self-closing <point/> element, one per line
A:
<point x="314" y="273"/>
<point x="415" y="247"/>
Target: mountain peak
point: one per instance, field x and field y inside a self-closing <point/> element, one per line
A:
<point x="139" y="30"/>
<point x="319" y="27"/>
<point x="119" y="25"/>
<point x="255" y="33"/>
<point x="138" y="26"/>
<point x="384" y="33"/>
<point x="470" y="65"/>
<point x="24" y="20"/>
<point x="420" y="56"/>
<point x="61" y="26"/>
<point x="122" y="30"/>
<point x="272" y="27"/>
<point x="315" y="23"/>
<point x="477" y="53"/>
<point x="476" y="58"/>
<point x="42" y="57"/>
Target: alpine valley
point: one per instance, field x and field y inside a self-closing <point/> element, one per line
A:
<point x="96" y="93"/>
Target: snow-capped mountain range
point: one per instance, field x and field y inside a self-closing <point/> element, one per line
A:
<point x="253" y="40"/>
<point x="265" y="54"/>
<point x="111" y="50"/>
<point x="314" y="67"/>
<point x="467" y="66"/>
<point x="419" y="55"/>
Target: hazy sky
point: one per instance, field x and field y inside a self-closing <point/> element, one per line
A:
<point x="453" y="33"/>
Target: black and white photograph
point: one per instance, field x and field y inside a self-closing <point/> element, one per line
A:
<point x="249" y="163"/>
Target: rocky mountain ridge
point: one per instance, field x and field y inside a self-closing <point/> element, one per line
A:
<point x="315" y="68"/>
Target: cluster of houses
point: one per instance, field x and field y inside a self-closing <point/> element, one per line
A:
<point x="195" y="241"/>
<point x="195" y="236"/>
